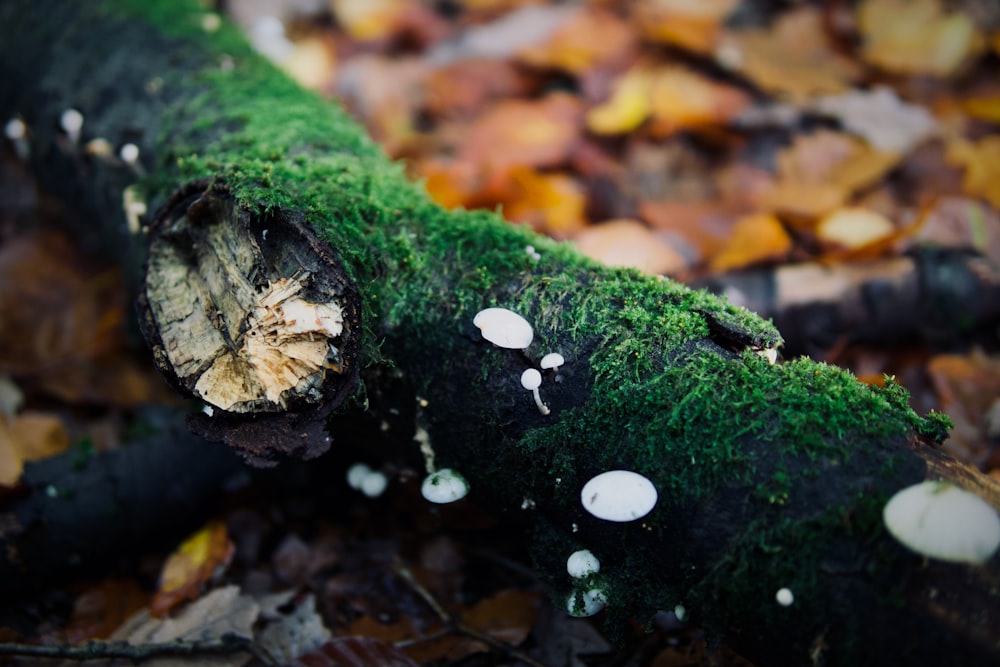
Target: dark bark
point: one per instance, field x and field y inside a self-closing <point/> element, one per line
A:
<point x="945" y="298"/>
<point x="768" y="476"/>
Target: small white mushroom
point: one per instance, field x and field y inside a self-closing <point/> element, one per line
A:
<point x="680" y="612"/>
<point x="586" y="603"/>
<point x="374" y="484"/>
<point x="582" y="563"/>
<point x="356" y="475"/>
<point x="208" y="410"/>
<point x="531" y="380"/>
<point x="71" y="121"/>
<point x="17" y="132"/>
<point x="784" y="597"/>
<point x="551" y="360"/>
<point x="99" y="147"/>
<point x="444" y="486"/>
<point x="129" y="154"/>
<point x="940" y="520"/>
<point x="504" y="328"/>
<point x="619" y="495"/>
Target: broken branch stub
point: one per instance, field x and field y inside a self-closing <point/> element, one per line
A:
<point x="253" y="315"/>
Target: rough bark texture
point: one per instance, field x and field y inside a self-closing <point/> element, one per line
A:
<point x="769" y="476"/>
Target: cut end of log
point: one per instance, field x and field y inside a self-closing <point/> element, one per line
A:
<point x="250" y="313"/>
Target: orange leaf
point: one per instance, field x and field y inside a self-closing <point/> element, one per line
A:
<point x="689" y="25"/>
<point x="30" y="436"/>
<point x="591" y="37"/>
<point x="518" y="133"/>
<point x="195" y="562"/>
<point x="553" y="203"/>
<point x="756" y="238"/>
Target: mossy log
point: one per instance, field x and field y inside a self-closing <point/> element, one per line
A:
<point x="293" y="276"/>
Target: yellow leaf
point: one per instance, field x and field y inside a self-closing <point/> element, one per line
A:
<point x="195" y="562"/>
<point x="983" y="108"/>
<point x="916" y="36"/>
<point x="854" y="228"/>
<point x="982" y="166"/>
<point x="756" y="238"/>
<point x="31" y="436"/>
<point x="590" y="38"/>
<point x="627" y="108"/>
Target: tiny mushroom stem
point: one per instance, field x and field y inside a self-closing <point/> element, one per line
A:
<point x="71" y="121"/>
<point x="531" y="379"/>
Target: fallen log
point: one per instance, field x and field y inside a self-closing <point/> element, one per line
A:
<point x="293" y="276"/>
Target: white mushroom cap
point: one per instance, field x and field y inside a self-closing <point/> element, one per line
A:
<point x="504" y="328"/>
<point x="374" y="484"/>
<point x="582" y="563"/>
<point x="129" y="153"/>
<point x="940" y="520"/>
<point x="531" y="379"/>
<point x="71" y="121"/>
<point x="15" y="129"/>
<point x="784" y="597"/>
<point x="586" y="603"/>
<point x="356" y="475"/>
<point x="444" y="486"/>
<point x="619" y="495"/>
<point x="551" y="360"/>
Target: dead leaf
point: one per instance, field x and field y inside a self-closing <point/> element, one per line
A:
<point x="756" y="238"/>
<point x="792" y="59"/>
<point x="820" y="172"/>
<point x="350" y="651"/>
<point x="30" y="436"/>
<point x="962" y="224"/>
<point x="968" y="387"/>
<point x="690" y="24"/>
<point x="592" y="37"/>
<point x="294" y="634"/>
<point x="224" y="611"/>
<point x="98" y="611"/>
<point x="879" y="117"/>
<point x="916" y="36"/>
<point x="981" y="161"/>
<point x="62" y="326"/>
<point x="550" y="202"/>
<point x="465" y="87"/>
<point x="629" y="243"/>
<point x="198" y="560"/>
<point x="854" y="229"/>
<point x="519" y="133"/>
<point x="674" y="98"/>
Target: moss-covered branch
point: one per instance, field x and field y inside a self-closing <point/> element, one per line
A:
<point x="272" y="201"/>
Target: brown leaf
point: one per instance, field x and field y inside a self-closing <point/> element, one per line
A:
<point x="552" y="202"/>
<point x="98" y="611"/>
<point x="355" y="652"/>
<point x="30" y="436"/>
<point x="629" y="243"/>
<point x="196" y="561"/>
<point x="465" y="87"/>
<point x="792" y="59"/>
<point x="981" y="160"/>
<point x="519" y="133"/>
<point x="592" y="37"/>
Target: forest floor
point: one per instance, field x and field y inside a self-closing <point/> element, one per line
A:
<point x="703" y="141"/>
